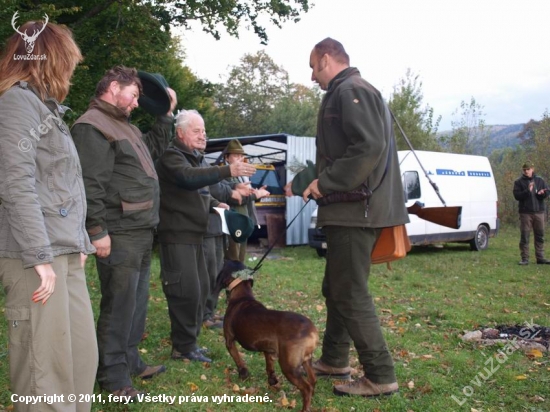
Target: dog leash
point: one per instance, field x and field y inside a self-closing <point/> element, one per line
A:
<point x="259" y="265"/>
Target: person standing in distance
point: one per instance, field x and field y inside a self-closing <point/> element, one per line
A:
<point x="530" y="191"/>
<point x="355" y="146"/>
<point x="43" y="239"/>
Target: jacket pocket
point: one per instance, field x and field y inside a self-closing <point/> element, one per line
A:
<point x="62" y="223"/>
<point x="18" y="326"/>
<point x="331" y="117"/>
<point x="136" y="203"/>
<point x="171" y="283"/>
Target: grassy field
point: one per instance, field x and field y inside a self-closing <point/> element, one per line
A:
<point x="425" y="303"/>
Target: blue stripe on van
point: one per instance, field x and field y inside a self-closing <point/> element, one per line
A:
<point x="473" y="173"/>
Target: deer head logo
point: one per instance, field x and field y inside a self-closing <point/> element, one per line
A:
<point x="29" y="40"/>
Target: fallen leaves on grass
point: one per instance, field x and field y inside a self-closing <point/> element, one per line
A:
<point x="192" y="387"/>
<point x="283" y="402"/>
<point x="521" y="377"/>
<point x="534" y="353"/>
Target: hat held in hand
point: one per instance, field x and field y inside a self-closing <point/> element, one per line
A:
<point x="155" y="98"/>
<point x="236" y="225"/>
<point x="304" y="178"/>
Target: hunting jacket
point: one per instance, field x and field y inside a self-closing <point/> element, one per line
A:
<point x="530" y="201"/>
<point x="122" y="187"/>
<point x="42" y="199"/>
<point x="356" y="145"/>
<point x="186" y="201"/>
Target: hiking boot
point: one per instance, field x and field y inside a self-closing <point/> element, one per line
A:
<point x="212" y="324"/>
<point x="366" y="388"/>
<point x="543" y="262"/>
<point x="152" y="371"/>
<point x="128" y="393"/>
<point x="324" y="371"/>
<point x="193" y="356"/>
<point x="523" y="262"/>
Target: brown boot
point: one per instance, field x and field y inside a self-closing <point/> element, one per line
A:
<point x="366" y="388"/>
<point x="125" y="395"/>
<point x="324" y="371"/>
<point x="152" y="371"/>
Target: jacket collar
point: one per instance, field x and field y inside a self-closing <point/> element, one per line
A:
<point x="178" y="144"/>
<point x="340" y="77"/>
<point x="108" y="109"/>
<point x="51" y="103"/>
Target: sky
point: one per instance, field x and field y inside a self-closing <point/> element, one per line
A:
<point x="493" y="51"/>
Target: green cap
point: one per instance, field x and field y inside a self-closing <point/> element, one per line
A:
<point x="528" y="165"/>
<point x="239" y="226"/>
<point x="234" y="147"/>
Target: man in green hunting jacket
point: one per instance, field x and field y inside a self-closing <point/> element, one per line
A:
<point x="122" y="193"/>
<point x="355" y="146"/>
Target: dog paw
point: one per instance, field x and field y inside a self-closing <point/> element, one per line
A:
<point x="272" y="380"/>
<point x="243" y="373"/>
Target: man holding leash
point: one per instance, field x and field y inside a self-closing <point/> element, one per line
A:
<point x="355" y="149"/>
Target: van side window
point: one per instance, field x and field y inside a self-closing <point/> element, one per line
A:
<point x="411" y="184"/>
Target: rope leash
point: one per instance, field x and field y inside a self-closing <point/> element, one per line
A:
<point x="279" y="238"/>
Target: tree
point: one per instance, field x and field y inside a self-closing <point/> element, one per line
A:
<point x="138" y="34"/>
<point x="234" y="13"/>
<point x="470" y="134"/>
<point x="250" y="94"/>
<point x="527" y="134"/>
<point x="417" y="121"/>
<point x="258" y="98"/>
<point x="211" y="14"/>
<point x="296" y="112"/>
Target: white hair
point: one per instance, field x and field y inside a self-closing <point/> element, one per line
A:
<point x="183" y="118"/>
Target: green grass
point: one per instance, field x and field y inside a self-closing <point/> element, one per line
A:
<point x="425" y="303"/>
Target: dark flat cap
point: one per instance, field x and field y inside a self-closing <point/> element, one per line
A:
<point x="155" y="98"/>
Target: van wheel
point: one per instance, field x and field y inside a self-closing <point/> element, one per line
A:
<point x="481" y="239"/>
<point x="321" y="252"/>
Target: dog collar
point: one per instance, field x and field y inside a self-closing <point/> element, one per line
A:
<point x="233" y="284"/>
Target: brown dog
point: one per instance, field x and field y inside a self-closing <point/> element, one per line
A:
<point x="287" y="335"/>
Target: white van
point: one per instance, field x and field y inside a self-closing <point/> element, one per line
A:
<point x="463" y="180"/>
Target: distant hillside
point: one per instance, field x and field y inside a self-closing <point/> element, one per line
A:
<point x="501" y="136"/>
<point x="505" y="136"/>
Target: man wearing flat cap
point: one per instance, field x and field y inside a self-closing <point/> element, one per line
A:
<point x="530" y="191"/>
<point x="122" y="193"/>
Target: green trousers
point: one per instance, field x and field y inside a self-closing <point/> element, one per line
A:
<point x="351" y="315"/>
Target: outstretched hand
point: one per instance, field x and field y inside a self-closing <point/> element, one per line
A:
<point x="241" y="169"/>
<point x="261" y="192"/>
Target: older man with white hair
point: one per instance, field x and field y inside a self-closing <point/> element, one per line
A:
<point x="184" y="206"/>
